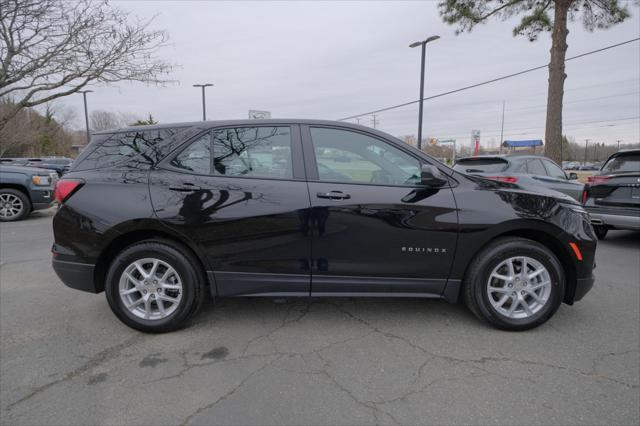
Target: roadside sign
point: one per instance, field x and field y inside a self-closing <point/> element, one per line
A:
<point x="255" y="114"/>
<point x="475" y="139"/>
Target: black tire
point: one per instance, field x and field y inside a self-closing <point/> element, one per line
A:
<point x="479" y="271"/>
<point x="601" y="231"/>
<point x="181" y="260"/>
<point x="24" y="211"/>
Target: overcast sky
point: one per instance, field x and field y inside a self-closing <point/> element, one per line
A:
<point x="330" y="60"/>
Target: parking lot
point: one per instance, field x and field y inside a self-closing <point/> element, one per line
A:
<point x="65" y="359"/>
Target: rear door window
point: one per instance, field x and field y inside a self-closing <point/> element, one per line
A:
<point x="253" y="152"/>
<point x="196" y="157"/>
<point x="492" y="165"/>
<point x="260" y="152"/>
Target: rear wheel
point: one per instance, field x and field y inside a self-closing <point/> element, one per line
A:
<point x="14" y="205"/>
<point x="514" y="284"/>
<point x="601" y="231"/>
<point x="155" y="286"/>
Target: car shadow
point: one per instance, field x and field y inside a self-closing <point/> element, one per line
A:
<point x="432" y="314"/>
<point x="630" y="239"/>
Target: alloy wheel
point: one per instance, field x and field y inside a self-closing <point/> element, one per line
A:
<point x="10" y="206"/>
<point x="519" y="287"/>
<point x="150" y="288"/>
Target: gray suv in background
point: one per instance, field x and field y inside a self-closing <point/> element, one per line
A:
<point x="23" y="190"/>
<point x="525" y="170"/>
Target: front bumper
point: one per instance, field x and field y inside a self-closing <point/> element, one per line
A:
<point x="41" y="198"/>
<point x="76" y="275"/>
<point x="583" y="286"/>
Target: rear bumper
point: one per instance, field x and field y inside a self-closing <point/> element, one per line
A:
<point x="583" y="286"/>
<point x="76" y="275"/>
<point x="617" y="221"/>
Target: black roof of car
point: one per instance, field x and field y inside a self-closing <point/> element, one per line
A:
<point x="625" y="152"/>
<point x="237" y="122"/>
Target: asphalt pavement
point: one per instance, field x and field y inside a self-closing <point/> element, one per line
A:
<point x="66" y="359"/>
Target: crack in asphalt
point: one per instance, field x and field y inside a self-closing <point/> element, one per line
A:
<point x="294" y="314"/>
<point x="486" y="359"/>
<point x="375" y="406"/>
<point x="227" y="394"/>
<point x="95" y="361"/>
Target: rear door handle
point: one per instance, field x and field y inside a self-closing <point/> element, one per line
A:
<point x="333" y="195"/>
<point x="186" y="187"/>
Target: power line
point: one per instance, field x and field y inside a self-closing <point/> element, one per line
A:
<point x="578" y="123"/>
<point x="489" y="81"/>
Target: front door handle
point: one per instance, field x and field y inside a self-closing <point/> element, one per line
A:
<point x="186" y="187"/>
<point x="333" y="195"/>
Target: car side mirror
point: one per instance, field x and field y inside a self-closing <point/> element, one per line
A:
<point x="573" y="176"/>
<point x="432" y="176"/>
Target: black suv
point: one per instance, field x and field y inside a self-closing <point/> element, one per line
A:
<point x="160" y="216"/>
<point x="612" y="196"/>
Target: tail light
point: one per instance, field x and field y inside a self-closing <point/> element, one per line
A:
<point x="65" y="188"/>
<point x="585" y="195"/>
<point x="508" y="179"/>
<point x="597" y="179"/>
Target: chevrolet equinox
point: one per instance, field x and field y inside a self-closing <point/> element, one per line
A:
<point x="160" y="216"/>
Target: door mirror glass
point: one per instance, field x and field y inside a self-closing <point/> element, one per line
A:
<point x="573" y="176"/>
<point x="432" y="176"/>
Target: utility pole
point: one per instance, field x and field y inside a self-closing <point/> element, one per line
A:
<point x="424" y="49"/>
<point x="595" y="152"/>
<point x="375" y="121"/>
<point x="86" y="114"/>
<point x="204" y="106"/>
<point x="618" y="144"/>
<point x="358" y="120"/>
<point x="586" y="144"/>
<point x="501" y="130"/>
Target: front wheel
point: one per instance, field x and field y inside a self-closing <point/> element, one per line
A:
<point x="155" y="286"/>
<point x="514" y="284"/>
<point x="14" y="205"/>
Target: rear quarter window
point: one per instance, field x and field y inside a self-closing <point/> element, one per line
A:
<point x="118" y="148"/>
<point x="481" y="166"/>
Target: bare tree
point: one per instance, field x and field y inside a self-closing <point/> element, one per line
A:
<point x="103" y="120"/>
<point x="54" y="48"/>
<point x="539" y="16"/>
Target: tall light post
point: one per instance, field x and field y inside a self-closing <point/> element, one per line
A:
<point x="204" y="107"/>
<point x="424" y="49"/>
<point x="86" y="114"/>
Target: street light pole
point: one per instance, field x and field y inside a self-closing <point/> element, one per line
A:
<point x="424" y="51"/>
<point x="501" y="130"/>
<point x="204" y="106"/>
<point x="86" y="114"/>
